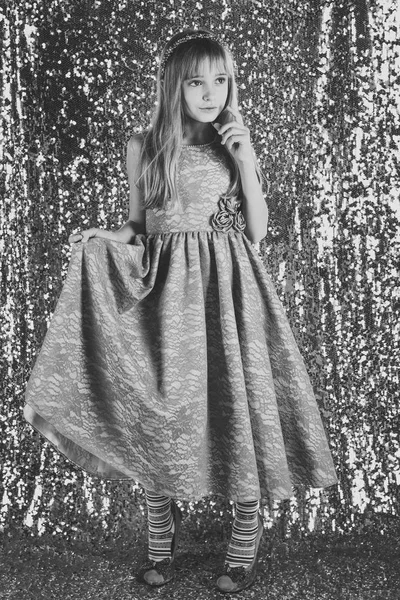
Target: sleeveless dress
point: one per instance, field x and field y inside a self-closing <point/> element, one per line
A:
<point x="171" y="362"/>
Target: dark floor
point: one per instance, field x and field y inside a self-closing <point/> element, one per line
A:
<point x="357" y="566"/>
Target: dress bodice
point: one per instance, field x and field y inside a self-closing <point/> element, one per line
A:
<point x="202" y="178"/>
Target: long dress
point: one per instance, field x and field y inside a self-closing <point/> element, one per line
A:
<point x="171" y="362"/>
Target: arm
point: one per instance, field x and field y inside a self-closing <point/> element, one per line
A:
<point x="254" y="207"/>
<point x="236" y="137"/>
<point x="136" y="219"/>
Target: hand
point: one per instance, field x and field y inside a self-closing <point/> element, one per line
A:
<point x="236" y="136"/>
<point x="83" y="236"/>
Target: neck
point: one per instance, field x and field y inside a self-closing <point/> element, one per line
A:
<point x="198" y="133"/>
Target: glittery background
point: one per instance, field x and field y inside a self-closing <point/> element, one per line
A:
<point x="319" y="86"/>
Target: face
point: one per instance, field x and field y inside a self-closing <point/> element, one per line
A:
<point x="205" y="93"/>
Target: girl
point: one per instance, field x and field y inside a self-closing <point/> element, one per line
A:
<point x="169" y="359"/>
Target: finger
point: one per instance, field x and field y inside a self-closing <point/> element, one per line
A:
<point x="75" y="237"/>
<point x="89" y="233"/>
<point x="233" y="128"/>
<point x="237" y="140"/>
<point x="238" y="133"/>
<point x="236" y="114"/>
<point x="86" y="235"/>
<point x="233" y="141"/>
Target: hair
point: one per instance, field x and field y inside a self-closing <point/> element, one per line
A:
<point x="163" y="141"/>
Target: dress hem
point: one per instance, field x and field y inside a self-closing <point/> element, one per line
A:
<point x="264" y="499"/>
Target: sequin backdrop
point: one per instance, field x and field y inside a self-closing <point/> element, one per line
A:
<point x="319" y="81"/>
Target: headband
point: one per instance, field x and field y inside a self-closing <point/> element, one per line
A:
<point x="196" y="35"/>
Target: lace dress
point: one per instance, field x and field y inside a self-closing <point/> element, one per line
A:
<point x="171" y="361"/>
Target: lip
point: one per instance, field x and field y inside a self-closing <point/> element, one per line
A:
<point x="209" y="108"/>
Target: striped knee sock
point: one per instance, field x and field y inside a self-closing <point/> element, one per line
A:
<point x="161" y="526"/>
<point x="241" y="548"/>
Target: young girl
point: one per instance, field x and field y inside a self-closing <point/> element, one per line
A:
<point x="169" y="359"/>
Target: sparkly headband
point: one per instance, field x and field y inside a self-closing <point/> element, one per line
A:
<point x="191" y="36"/>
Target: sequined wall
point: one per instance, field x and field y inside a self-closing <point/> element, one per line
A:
<point x="319" y="84"/>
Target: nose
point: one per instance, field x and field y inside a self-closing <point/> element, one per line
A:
<point x="208" y="93"/>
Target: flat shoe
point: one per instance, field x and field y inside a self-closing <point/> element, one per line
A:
<point x="159" y="573"/>
<point x="237" y="579"/>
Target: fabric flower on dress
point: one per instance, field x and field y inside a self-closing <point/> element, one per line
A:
<point x="228" y="215"/>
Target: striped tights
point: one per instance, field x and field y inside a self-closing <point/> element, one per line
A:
<point x="161" y="529"/>
<point x="161" y="526"/>
<point x="242" y="546"/>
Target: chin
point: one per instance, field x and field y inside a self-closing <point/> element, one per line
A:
<point x="208" y="118"/>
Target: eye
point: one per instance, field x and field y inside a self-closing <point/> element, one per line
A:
<point x="221" y="80"/>
<point x="195" y="83"/>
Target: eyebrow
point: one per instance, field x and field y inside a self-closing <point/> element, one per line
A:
<point x="202" y="76"/>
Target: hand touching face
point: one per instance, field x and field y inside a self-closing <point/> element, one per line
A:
<point x="235" y="135"/>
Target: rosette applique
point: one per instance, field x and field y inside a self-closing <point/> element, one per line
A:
<point x="228" y="215"/>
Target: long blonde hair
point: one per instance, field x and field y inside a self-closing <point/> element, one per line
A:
<point x="163" y="141"/>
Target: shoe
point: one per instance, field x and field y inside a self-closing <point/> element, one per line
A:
<point x="159" y="573"/>
<point x="237" y="579"/>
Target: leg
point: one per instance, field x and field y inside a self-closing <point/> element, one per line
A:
<point x="161" y="526"/>
<point x="164" y="519"/>
<point x="244" y="533"/>
<point x="241" y="559"/>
